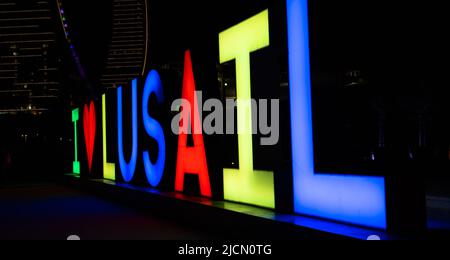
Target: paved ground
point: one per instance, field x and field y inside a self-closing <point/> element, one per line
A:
<point x="49" y="211"/>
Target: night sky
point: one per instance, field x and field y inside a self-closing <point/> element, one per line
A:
<point x="348" y="33"/>
<point x="90" y="28"/>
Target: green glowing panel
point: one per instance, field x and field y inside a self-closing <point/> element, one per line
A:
<point x="109" y="169"/>
<point x="245" y="184"/>
<point x="76" y="164"/>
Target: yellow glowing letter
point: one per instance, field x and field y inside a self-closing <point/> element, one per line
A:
<point x="109" y="169"/>
<point x="245" y="184"/>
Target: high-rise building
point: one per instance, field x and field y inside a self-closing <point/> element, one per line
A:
<point x="29" y="74"/>
<point x="127" y="55"/>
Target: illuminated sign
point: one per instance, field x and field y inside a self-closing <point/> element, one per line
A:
<point x="153" y="128"/>
<point x="90" y="128"/>
<point x="109" y="169"/>
<point x="245" y="184"/>
<point x="128" y="169"/>
<point x="191" y="159"/>
<point x="353" y="199"/>
<point x="75" y="118"/>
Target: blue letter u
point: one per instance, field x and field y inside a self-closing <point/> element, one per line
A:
<point x="127" y="169"/>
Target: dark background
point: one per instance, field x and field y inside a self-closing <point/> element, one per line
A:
<point x="379" y="90"/>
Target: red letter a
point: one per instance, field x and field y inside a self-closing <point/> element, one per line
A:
<point x="191" y="160"/>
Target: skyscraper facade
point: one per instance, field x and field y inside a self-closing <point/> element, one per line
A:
<point x="128" y="48"/>
<point x="29" y="74"/>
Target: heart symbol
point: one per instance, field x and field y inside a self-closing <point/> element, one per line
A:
<point x="90" y="127"/>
